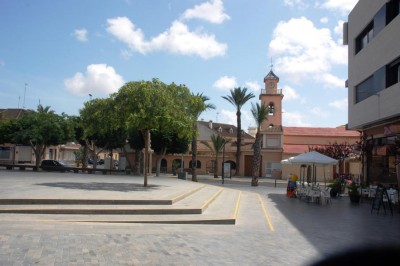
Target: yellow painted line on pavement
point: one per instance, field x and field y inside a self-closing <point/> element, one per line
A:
<point x="210" y="200"/>
<point x="271" y="227"/>
<point x="179" y="197"/>
<point x="237" y="206"/>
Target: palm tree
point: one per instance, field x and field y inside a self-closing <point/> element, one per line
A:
<point x="238" y="98"/>
<point x="198" y="111"/>
<point x="218" y="144"/>
<point x="260" y="114"/>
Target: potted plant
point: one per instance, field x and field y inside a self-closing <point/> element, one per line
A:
<point x="335" y="188"/>
<point x="354" y="192"/>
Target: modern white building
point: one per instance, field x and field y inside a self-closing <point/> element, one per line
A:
<point x="372" y="34"/>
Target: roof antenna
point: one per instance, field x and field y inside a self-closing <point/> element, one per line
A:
<point x="23" y="106"/>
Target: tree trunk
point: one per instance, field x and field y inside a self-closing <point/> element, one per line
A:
<point x="85" y="156"/>
<point x="146" y="153"/>
<point x="194" y="159"/>
<point x="216" y="167"/>
<point x="238" y="141"/>
<point x="256" y="160"/>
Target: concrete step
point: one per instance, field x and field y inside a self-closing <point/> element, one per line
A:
<point x="193" y="203"/>
<point x="209" y="205"/>
<point x="75" y="201"/>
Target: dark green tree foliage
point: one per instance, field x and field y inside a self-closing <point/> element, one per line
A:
<point x="154" y="105"/>
<point x="102" y="128"/>
<point x="80" y="138"/>
<point x="41" y="129"/>
<point x="7" y="129"/>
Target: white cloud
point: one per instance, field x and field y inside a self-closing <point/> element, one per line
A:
<point x="253" y="85"/>
<point x="340" y="104"/>
<point x="324" y="20"/>
<point x="305" y="51"/>
<point x="296" y="3"/>
<point x="177" y="39"/>
<point x="81" y="35"/>
<point x="225" y="83"/>
<point x="126" y="54"/>
<point x="294" y="119"/>
<point x="343" y="6"/>
<point x="212" y="11"/>
<point x="290" y="94"/>
<point x="228" y="117"/>
<point x="316" y="111"/>
<point x="98" y="79"/>
<point x="330" y="80"/>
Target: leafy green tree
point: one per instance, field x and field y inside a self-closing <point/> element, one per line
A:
<point x="7" y="129"/>
<point x="102" y="128"/>
<point x="216" y="146"/>
<point x="238" y="98"/>
<point x="42" y="129"/>
<point x="150" y="105"/>
<point x="136" y="142"/>
<point x="198" y="110"/>
<point x="167" y="143"/>
<point x="260" y="114"/>
<point x="79" y="138"/>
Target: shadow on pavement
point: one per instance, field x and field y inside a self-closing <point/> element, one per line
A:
<point x="122" y="187"/>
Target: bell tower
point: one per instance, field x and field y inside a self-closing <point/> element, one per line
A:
<point x="272" y="97"/>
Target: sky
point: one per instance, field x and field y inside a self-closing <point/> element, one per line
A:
<point x="58" y="53"/>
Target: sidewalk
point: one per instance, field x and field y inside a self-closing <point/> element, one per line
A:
<point x="271" y="229"/>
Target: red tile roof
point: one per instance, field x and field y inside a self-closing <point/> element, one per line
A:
<point x="295" y="148"/>
<point x="320" y="131"/>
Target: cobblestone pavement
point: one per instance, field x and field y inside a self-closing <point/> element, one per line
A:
<point x="271" y="229"/>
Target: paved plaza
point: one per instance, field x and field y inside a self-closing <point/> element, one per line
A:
<point x="270" y="228"/>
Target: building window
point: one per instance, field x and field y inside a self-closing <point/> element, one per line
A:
<point x="268" y="170"/>
<point x="393" y="73"/>
<point x="365" y="37"/>
<point x="364" y="90"/>
<point x="5" y="153"/>
<point x="272" y="142"/>
<point x="393" y="10"/>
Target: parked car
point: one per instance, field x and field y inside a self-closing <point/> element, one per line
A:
<point x="100" y="162"/>
<point x="54" y="165"/>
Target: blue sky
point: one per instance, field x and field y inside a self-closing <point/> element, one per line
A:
<point x="59" y="52"/>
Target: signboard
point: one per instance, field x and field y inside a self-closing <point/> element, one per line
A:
<point x="227" y="170"/>
<point x="378" y="200"/>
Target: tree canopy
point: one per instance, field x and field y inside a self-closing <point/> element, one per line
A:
<point x="41" y="129"/>
<point x="154" y="105"/>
